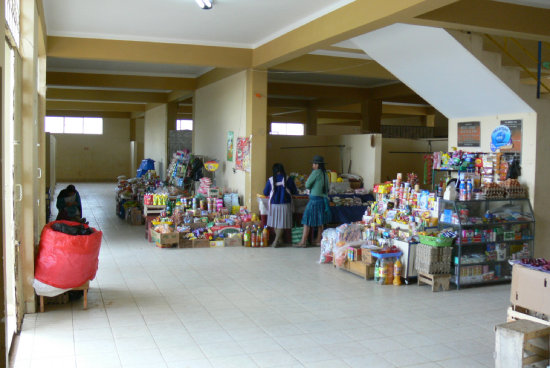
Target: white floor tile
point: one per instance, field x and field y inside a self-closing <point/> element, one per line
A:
<point x="239" y="307"/>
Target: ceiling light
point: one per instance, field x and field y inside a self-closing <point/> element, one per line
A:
<point x="204" y="4"/>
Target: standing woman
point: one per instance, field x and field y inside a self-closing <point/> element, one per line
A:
<point x="317" y="211"/>
<point x="280" y="189"/>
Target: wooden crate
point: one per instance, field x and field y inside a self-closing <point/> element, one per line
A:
<point x="437" y="281"/>
<point x="521" y="343"/>
<point x="359" y="268"/>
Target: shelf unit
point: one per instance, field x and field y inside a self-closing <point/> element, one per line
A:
<point x="511" y="231"/>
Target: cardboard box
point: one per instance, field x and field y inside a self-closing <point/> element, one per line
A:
<point x="134" y="217"/>
<point x="530" y="289"/>
<point x="217" y="243"/>
<point x="166" y="238"/>
<point x="234" y="241"/>
<point x="201" y="243"/>
<point x="359" y="268"/>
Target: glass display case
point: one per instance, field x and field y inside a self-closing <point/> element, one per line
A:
<point x="489" y="233"/>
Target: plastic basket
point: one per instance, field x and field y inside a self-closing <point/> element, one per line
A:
<point x="436" y="241"/>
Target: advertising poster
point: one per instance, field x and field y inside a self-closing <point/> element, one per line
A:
<point x="242" y="159"/>
<point x="515" y="132"/>
<point x="230" y="146"/>
<point x="469" y="134"/>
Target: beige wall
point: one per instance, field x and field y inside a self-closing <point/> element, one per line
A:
<point x="92" y="158"/>
<point x="219" y="108"/>
<point x="400" y="155"/>
<point x="156" y="137"/>
<point x="296" y="153"/>
<point x="364" y="153"/>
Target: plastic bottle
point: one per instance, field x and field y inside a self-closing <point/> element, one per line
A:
<point x="253" y="236"/>
<point x="383" y="272"/>
<point x="246" y="237"/>
<point x="377" y="270"/>
<point x="265" y="237"/>
<point x="389" y="271"/>
<point x="397" y="266"/>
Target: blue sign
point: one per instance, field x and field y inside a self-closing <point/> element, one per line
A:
<point x="501" y="136"/>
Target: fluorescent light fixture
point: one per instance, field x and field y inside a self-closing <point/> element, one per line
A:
<point x="204" y="4"/>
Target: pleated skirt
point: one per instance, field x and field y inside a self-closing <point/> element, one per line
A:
<point x="280" y="216"/>
<point x="316" y="213"/>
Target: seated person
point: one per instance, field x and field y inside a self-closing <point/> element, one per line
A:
<point x="69" y="206"/>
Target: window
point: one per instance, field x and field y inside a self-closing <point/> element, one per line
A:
<point x="12" y="19"/>
<point x="184" y="125"/>
<point x="73" y="125"/>
<point x="287" y="129"/>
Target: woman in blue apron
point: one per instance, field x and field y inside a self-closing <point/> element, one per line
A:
<point x="280" y="189"/>
<point x="317" y="212"/>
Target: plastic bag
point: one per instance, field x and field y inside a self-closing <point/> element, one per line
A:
<point x="327" y="244"/>
<point x="67" y="261"/>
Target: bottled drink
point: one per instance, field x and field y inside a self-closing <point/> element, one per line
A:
<point x="253" y="236"/>
<point x="383" y="272"/>
<point x="377" y="270"/>
<point x="389" y="271"/>
<point x="397" y="266"/>
<point x="265" y="237"/>
<point x="247" y="237"/>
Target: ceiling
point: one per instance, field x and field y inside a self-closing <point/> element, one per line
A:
<point x="299" y="42"/>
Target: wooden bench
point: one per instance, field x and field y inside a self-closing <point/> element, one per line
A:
<point x="84" y="287"/>
<point x="521" y="343"/>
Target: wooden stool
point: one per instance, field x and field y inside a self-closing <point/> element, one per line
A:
<point x="84" y="287"/>
<point x="515" y="343"/>
<point x="438" y="282"/>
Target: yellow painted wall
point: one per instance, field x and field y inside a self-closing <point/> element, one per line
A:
<point x="219" y="108"/>
<point x="407" y="160"/>
<point x="92" y="158"/>
<point x="296" y="152"/>
<point x="155" y="137"/>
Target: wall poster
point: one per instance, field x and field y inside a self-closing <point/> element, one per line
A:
<point x="242" y="159"/>
<point x="515" y="132"/>
<point x="469" y="134"/>
<point x="230" y="146"/>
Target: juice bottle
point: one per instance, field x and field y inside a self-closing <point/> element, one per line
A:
<point x="397" y="272"/>
<point x="389" y="271"/>
<point x="265" y="237"/>
<point x="259" y="237"/>
<point x="247" y="237"/>
<point x="253" y="236"/>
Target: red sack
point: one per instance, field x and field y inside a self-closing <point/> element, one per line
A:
<point x="67" y="261"/>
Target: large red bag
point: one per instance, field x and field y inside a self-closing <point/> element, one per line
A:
<point x="67" y="261"/>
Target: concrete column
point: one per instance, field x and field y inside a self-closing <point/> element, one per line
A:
<point x="371" y="116"/>
<point x="256" y="128"/>
<point x="3" y="350"/>
<point x="29" y="140"/>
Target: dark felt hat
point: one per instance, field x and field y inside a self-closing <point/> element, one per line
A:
<point x="318" y="159"/>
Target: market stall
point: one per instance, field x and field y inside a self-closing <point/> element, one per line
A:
<point x="465" y="232"/>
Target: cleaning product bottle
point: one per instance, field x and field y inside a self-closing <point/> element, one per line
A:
<point x="397" y="272"/>
<point x="265" y="237"/>
<point x="377" y="270"/>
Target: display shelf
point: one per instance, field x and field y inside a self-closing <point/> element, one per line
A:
<point x="487" y="224"/>
<point x="498" y="241"/>
<point x="485" y="263"/>
<point x="462" y="211"/>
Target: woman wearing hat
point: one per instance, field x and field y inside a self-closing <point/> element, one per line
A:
<point x="317" y="212"/>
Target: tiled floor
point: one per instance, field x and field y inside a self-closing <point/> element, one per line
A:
<point x="242" y="307"/>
